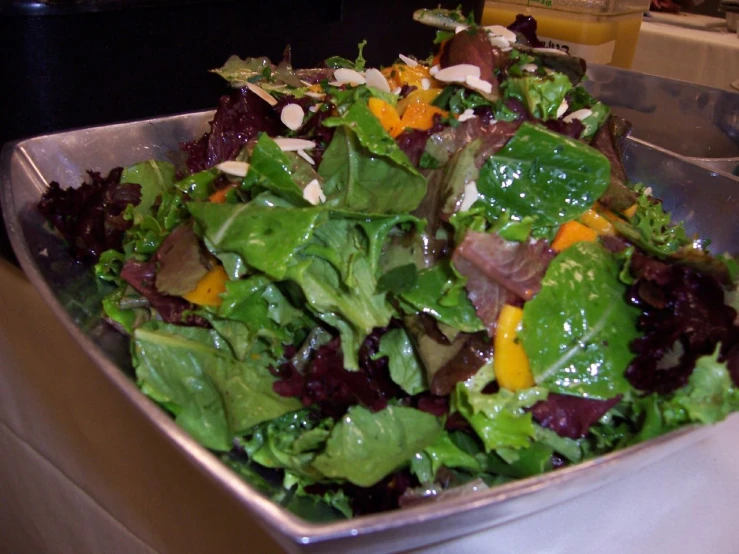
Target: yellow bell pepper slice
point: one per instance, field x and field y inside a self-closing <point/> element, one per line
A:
<point x="209" y="289"/>
<point x="571" y="232"/>
<point x="597" y="223"/>
<point x="420" y="116"/>
<point x="399" y="74"/>
<point x="418" y="97"/>
<point x="387" y="114"/>
<point x="510" y="362"/>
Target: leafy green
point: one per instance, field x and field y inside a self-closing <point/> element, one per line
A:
<point x="364" y="447"/>
<point x="197" y="185"/>
<point x="213" y="396"/>
<point x="357" y="179"/>
<point x="442" y="453"/>
<point x="405" y="369"/>
<point x="399" y="279"/>
<point x="708" y="397"/>
<point x="577" y="329"/>
<point x="542" y="94"/>
<point x="270" y="167"/>
<point x="290" y="442"/>
<point x="498" y="419"/>
<point x="336" y="269"/>
<point x="154" y="177"/>
<point x="255" y="309"/>
<point x="440" y="293"/>
<point x="652" y="228"/>
<point x="266" y="239"/>
<point x="578" y="98"/>
<point x="544" y="175"/>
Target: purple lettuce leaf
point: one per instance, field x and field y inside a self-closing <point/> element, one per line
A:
<point x="500" y="272"/>
<point x="684" y="317"/>
<point x="525" y="26"/>
<point x="91" y="217"/>
<point x="172" y="309"/>
<point x="570" y="416"/>
<point x="240" y="116"/>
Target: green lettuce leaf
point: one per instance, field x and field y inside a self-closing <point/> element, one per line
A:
<point x="154" y="177"/>
<point x="544" y="175"/>
<point x="364" y="447"/>
<point x="577" y="329"/>
<point x="405" y="369"/>
<point x="265" y="239"/>
<point x="213" y="396"/>
<point x="337" y="271"/>
<point x="542" y="94"/>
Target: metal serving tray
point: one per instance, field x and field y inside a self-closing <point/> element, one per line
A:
<point x="699" y="196"/>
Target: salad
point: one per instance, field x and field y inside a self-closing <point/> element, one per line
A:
<point x="365" y="288"/>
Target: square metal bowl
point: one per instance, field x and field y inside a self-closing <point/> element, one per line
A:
<point x="695" y="194"/>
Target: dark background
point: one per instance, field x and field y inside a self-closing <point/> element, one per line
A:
<point x="67" y="64"/>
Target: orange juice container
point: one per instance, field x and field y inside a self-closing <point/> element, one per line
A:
<point x="600" y="31"/>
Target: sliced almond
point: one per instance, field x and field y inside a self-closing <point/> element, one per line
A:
<point x="306" y="157"/>
<point x="470" y="196"/>
<point x="376" y="79"/>
<point x="499" y="42"/>
<point x="316" y="95"/>
<point x="425" y="84"/>
<point x="530" y="68"/>
<point x="313" y="193"/>
<point x="408" y="61"/>
<point x="293" y="144"/>
<point x="578" y="114"/>
<point x="478" y="84"/>
<point x="347" y="76"/>
<point x="469" y="113"/>
<point x="562" y="108"/>
<point x="434" y="70"/>
<point x="292" y="116"/>
<point x="238" y="169"/>
<point x="501" y="31"/>
<point x="459" y="28"/>
<point x="457" y="73"/>
<point x="263" y="94"/>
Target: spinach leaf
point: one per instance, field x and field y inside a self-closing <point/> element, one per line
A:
<point x="336" y="269"/>
<point x="364" y="447"/>
<point x="265" y="239"/>
<point x="154" y="177"/>
<point x="358" y="179"/>
<point x="289" y="442"/>
<point x="191" y="372"/>
<point x="405" y="369"/>
<point x="440" y="293"/>
<point x="577" y="330"/>
<point x="364" y="168"/>
<point x="273" y="169"/>
<point x="197" y="185"/>
<point x="255" y="309"/>
<point x="544" y="175"/>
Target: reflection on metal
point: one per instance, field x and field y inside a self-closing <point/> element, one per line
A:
<point x="694" y="121"/>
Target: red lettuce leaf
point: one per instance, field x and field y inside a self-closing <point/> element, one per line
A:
<point x="684" y="317"/>
<point x="240" y="116"/>
<point x="525" y="26"/>
<point x="331" y="388"/>
<point x="172" y="309"/>
<point x="90" y="217"/>
<point x="570" y="416"/>
<point x="500" y="272"/>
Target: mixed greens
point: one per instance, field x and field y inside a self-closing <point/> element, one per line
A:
<point x="368" y="288"/>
